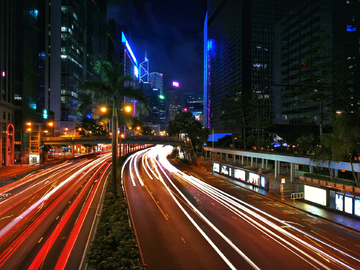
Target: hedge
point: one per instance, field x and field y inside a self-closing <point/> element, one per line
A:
<point x="114" y="245"/>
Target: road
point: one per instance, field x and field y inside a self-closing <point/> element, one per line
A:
<point x="194" y="220"/>
<point x="44" y="215"/>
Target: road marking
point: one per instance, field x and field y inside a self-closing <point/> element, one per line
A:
<point x="340" y="238"/>
<point x="265" y="238"/>
<point x="40" y="240"/>
<point x="183" y="240"/>
<point x="234" y="217"/>
<point x="157" y="204"/>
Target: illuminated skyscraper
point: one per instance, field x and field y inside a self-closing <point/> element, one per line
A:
<point x="77" y="32"/>
<point x="157" y="80"/>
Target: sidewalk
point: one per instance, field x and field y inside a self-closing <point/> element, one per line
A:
<point x="327" y="214"/>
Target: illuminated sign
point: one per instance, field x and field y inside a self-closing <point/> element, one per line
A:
<point x="350" y="28"/>
<point x="357" y="207"/>
<point x="349" y="205"/>
<point x="175" y="84"/>
<point x="239" y="174"/>
<point x="45" y="114"/>
<point x="216" y="167"/>
<point x="123" y="39"/>
<point x="262" y="181"/>
<point x="314" y="194"/>
<point x="224" y="170"/>
<point x="254" y="178"/>
<point x="161" y="97"/>
<point x="339" y="202"/>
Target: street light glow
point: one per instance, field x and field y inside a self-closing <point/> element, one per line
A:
<point x="127" y="109"/>
<point x="103" y="109"/>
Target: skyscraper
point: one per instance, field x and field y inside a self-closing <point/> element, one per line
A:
<point x="157" y="80"/>
<point x="238" y="53"/>
<point x="7" y="81"/>
<point x="77" y="36"/>
<point x="256" y="47"/>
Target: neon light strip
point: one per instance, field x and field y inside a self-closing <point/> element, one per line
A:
<point x="123" y="39"/>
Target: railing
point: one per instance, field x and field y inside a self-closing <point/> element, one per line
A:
<point x="297" y="196"/>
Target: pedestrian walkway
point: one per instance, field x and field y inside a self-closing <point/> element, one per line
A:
<point x="328" y="214"/>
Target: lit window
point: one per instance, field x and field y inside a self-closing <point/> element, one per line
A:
<point x="63" y="29"/>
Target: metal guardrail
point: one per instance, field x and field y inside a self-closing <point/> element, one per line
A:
<point x="297" y="196"/>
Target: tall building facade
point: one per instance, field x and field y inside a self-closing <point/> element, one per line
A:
<point x="7" y="81"/>
<point x="256" y="47"/>
<point x="306" y="36"/>
<point x="77" y="37"/>
<point x="157" y="80"/>
<point x="239" y="53"/>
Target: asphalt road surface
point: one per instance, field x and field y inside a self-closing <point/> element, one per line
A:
<point x="194" y="220"/>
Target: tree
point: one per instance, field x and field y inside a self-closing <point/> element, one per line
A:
<point x="322" y="80"/>
<point x="185" y="122"/>
<point x="113" y="85"/>
<point x="342" y="143"/>
<point x="89" y="127"/>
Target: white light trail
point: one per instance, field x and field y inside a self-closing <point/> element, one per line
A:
<point x="233" y="203"/>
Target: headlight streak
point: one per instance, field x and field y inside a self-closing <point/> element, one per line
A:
<point x="231" y="207"/>
<point x="146" y="164"/>
<point x="44" y="198"/>
<point x="208" y="222"/>
<point x="286" y="224"/>
<point x="167" y="165"/>
<point x="137" y="170"/>
<point x="151" y="157"/>
<point x="131" y="170"/>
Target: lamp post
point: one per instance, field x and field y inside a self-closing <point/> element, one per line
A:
<point x="114" y="143"/>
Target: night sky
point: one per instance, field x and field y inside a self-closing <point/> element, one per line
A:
<point x="172" y="33"/>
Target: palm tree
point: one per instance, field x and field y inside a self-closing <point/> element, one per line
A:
<point x="113" y="85"/>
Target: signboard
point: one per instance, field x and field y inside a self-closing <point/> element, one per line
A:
<point x="357" y="207"/>
<point x="254" y="178"/>
<point x="262" y="181"/>
<point x="314" y="194"/>
<point x="216" y="167"/>
<point x="349" y="205"/>
<point x="339" y="202"/>
<point x="224" y="169"/>
<point x="239" y="174"/>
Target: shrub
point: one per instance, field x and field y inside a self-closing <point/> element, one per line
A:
<point x="114" y="245"/>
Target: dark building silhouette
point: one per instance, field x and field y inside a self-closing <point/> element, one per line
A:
<point x="256" y="47"/>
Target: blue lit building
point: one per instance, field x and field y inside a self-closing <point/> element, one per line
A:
<point x="124" y="54"/>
